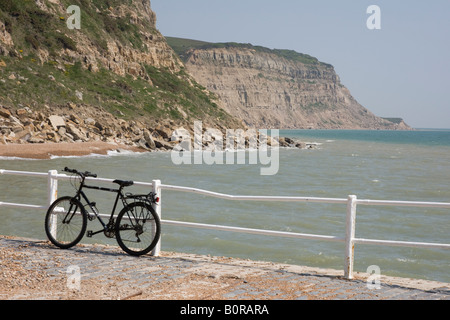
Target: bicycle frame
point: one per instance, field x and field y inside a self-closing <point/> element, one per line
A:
<point x="80" y="194"/>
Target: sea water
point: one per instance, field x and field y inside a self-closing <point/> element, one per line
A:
<point x="377" y="165"/>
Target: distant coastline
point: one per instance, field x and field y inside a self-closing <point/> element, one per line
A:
<point x="432" y="129"/>
<point x="49" y="150"/>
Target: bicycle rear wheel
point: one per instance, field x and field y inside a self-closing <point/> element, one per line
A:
<point x="65" y="222"/>
<point x="138" y="228"/>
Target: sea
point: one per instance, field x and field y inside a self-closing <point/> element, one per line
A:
<point x="376" y="165"/>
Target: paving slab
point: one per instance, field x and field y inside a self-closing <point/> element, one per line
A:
<point x="36" y="270"/>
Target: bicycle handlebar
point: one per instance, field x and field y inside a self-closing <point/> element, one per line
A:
<point x="82" y="174"/>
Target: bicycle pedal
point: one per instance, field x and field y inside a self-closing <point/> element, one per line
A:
<point x="89" y="234"/>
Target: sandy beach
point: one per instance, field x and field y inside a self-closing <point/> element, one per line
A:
<point x="47" y="150"/>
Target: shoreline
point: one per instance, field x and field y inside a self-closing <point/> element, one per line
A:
<point x="49" y="150"/>
<point x="45" y="151"/>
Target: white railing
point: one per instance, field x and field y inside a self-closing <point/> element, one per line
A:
<point x="351" y="203"/>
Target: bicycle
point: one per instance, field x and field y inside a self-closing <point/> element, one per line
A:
<point x="137" y="228"/>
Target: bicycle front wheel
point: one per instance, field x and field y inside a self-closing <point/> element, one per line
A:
<point x="65" y="222"/>
<point x="138" y="228"/>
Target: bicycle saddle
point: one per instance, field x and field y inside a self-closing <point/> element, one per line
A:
<point x="124" y="183"/>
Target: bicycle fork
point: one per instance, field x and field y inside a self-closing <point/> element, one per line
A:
<point x="67" y="221"/>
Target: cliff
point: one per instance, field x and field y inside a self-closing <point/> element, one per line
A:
<point x="276" y="88"/>
<point x="116" y="70"/>
<point x="116" y="79"/>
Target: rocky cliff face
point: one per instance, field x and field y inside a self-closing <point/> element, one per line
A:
<point x="116" y="70"/>
<point x="100" y="44"/>
<point x="279" y="88"/>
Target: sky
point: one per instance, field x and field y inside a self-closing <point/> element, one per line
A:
<point x="401" y="70"/>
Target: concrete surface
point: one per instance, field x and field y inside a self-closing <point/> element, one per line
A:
<point x="36" y="270"/>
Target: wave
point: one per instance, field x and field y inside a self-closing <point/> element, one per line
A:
<point x="109" y="154"/>
<point x="16" y="158"/>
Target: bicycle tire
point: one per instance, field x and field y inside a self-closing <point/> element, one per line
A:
<point x="137" y="229"/>
<point x="69" y="234"/>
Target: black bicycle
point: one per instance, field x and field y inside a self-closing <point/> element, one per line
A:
<point x="137" y="228"/>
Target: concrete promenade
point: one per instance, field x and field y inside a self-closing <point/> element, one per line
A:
<point x="36" y="270"/>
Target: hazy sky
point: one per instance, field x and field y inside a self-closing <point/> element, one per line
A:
<point x="401" y="70"/>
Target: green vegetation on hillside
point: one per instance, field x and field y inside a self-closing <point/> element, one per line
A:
<point x="25" y="81"/>
<point x="33" y="28"/>
<point x="36" y="85"/>
<point x="182" y="46"/>
<point x="394" y="120"/>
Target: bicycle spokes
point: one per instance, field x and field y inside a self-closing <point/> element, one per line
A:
<point x="137" y="228"/>
<point x="65" y="222"/>
<point x="137" y="219"/>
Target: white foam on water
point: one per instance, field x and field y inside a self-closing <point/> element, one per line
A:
<point x="110" y="153"/>
<point x="16" y="158"/>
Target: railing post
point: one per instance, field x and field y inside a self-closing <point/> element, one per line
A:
<point x="157" y="206"/>
<point x="350" y="236"/>
<point x="52" y="191"/>
<point x="52" y="187"/>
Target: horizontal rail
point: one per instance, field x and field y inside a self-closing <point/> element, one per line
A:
<point x="351" y="203"/>
<point x="403" y="203"/>
<point x="248" y="198"/>
<point x="24" y="206"/>
<point x="403" y="243"/>
<point x="60" y="176"/>
<point x="87" y="179"/>
<point x="23" y="173"/>
<point x="252" y="198"/>
<point x="307" y="199"/>
<point x="252" y="231"/>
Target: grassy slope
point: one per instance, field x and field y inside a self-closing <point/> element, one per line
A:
<point x="33" y="29"/>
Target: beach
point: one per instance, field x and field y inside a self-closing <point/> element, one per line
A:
<point x="44" y="151"/>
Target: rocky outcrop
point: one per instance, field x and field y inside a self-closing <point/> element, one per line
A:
<point x="80" y="123"/>
<point x="279" y="89"/>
